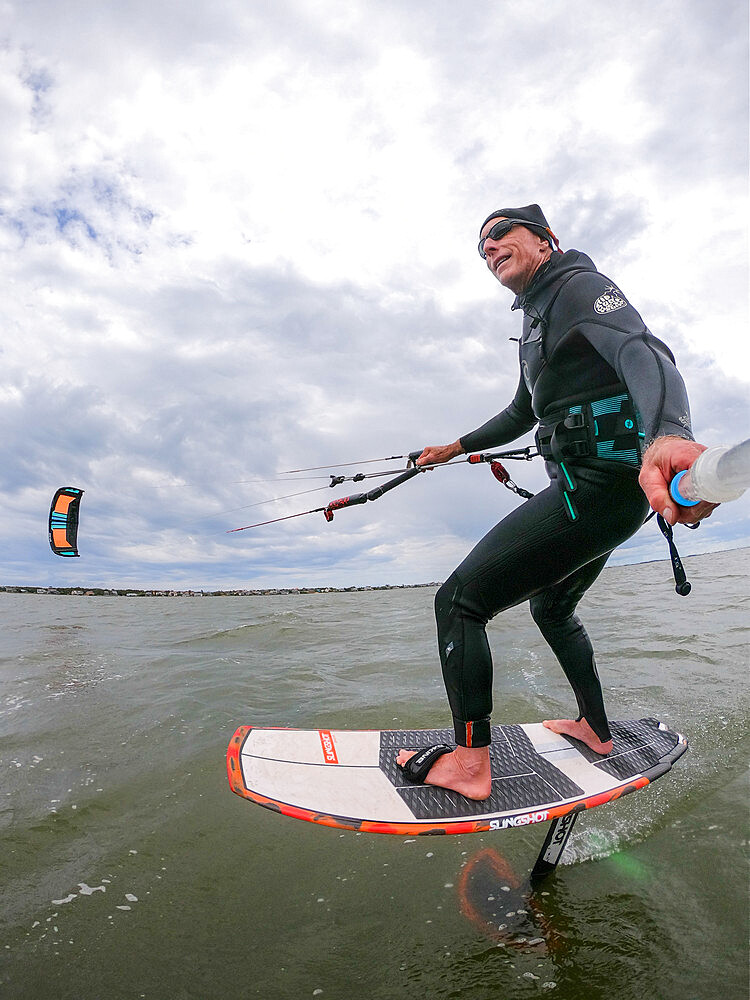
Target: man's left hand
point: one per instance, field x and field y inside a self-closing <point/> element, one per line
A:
<point x="662" y="461"/>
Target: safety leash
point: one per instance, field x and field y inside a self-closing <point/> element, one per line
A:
<point x="681" y="583"/>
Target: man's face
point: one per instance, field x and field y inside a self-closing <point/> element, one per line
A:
<point x="515" y="257"/>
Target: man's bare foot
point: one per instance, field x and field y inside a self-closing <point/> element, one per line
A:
<point x="580" y="731"/>
<point x="466" y="770"/>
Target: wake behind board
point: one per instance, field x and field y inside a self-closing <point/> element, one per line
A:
<point x="349" y="779"/>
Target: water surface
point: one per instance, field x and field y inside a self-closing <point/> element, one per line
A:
<point x="130" y="870"/>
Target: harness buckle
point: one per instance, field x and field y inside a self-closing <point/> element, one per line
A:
<point x="577" y="449"/>
<point x="574" y="421"/>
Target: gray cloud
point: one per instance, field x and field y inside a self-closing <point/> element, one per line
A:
<point x="254" y="250"/>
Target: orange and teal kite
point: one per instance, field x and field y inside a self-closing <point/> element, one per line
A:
<point x="63" y="521"/>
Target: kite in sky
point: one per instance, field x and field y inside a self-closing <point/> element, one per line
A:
<point x="63" y="521"/>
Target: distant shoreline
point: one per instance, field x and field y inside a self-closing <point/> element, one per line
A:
<point x="282" y="591"/>
<point x="262" y="592"/>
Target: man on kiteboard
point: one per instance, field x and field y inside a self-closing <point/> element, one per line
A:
<point x="614" y="427"/>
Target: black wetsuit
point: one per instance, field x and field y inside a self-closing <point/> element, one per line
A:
<point x="584" y="349"/>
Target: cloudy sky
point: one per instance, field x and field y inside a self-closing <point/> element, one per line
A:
<point x="239" y="238"/>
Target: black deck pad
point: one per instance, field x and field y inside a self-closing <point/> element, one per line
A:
<point x="521" y="778"/>
<point x="637" y="746"/>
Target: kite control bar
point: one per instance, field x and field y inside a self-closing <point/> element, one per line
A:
<point x="378" y="492"/>
<point x="412" y="470"/>
<point x="498" y="470"/>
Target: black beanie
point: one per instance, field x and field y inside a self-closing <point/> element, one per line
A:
<point x="532" y="214"/>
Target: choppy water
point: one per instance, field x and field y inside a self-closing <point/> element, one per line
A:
<point x="129" y="870"/>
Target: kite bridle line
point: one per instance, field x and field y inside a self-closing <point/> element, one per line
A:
<point x="497" y="468"/>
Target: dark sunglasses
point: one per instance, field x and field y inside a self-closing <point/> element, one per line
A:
<point x="503" y="227"/>
<point x="497" y="232"/>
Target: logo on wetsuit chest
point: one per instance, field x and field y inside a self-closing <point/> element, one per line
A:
<point x="610" y="301"/>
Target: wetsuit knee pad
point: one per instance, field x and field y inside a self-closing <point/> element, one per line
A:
<point x="455" y="599"/>
<point x="548" y="613"/>
<point x="538" y="609"/>
<point x="444" y="598"/>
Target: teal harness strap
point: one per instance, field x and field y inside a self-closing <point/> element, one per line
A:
<point x="608" y="430"/>
<point x="618" y="430"/>
<point x="567" y="486"/>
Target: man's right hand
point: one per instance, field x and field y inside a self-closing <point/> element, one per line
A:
<point x="437" y="454"/>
